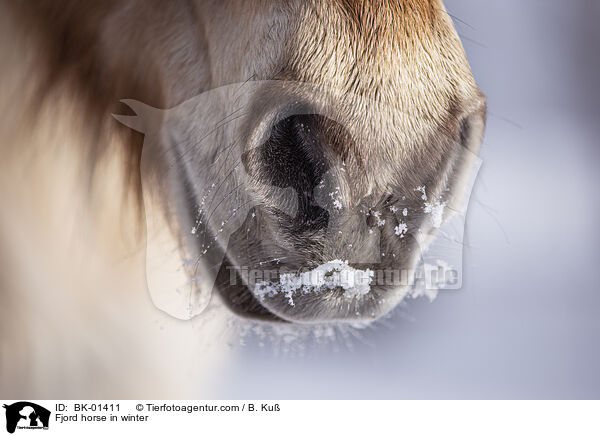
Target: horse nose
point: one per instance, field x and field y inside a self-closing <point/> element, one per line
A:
<point x="295" y="156"/>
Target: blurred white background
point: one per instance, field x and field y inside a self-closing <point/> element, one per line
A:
<point x="527" y="322"/>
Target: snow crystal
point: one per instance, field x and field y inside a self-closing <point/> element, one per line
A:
<point x="421" y="189"/>
<point x="380" y="222"/>
<point x="401" y="229"/>
<point x="330" y="275"/>
<point x="336" y="197"/>
<point x="436" y="209"/>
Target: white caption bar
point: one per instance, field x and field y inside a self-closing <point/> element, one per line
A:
<point x="22" y="417"/>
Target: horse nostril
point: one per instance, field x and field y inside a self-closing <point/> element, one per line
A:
<point x="293" y="157"/>
<point x="293" y="154"/>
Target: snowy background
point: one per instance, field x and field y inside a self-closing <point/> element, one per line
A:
<point x="527" y="322"/>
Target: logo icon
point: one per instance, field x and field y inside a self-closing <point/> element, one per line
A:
<point x="26" y="415"/>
